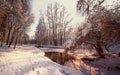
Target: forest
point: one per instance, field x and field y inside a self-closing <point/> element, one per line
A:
<point x="15" y="19"/>
<point x="68" y="37"/>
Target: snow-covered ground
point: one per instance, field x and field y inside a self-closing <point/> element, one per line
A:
<point x="29" y="60"/>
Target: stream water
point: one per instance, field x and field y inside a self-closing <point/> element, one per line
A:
<point x="66" y="60"/>
<point x="60" y="58"/>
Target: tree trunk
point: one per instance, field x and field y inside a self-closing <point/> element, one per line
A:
<point x="99" y="50"/>
<point x="16" y="40"/>
<point x="1" y="44"/>
<point x="100" y="53"/>
<point x="8" y="37"/>
<point x="107" y="49"/>
<point x="55" y="42"/>
<point x="11" y="40"/>
<point x="2" y="40"/>
<point x="15" y="43"/>
<point x="61" y="40"/>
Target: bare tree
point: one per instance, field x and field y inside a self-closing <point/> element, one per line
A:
<point x="88" y="6"/>
<point x="41" y="33"/>
<point x="103" y="30"/>
<point x="54" y="25"/>
<point x="58" y="20"/>
<point x="15" y="19"/>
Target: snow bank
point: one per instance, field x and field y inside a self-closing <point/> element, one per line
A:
<point x="52" y="50"/>
<point x="50" y="46"/>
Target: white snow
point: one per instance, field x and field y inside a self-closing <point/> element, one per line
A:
<point x="28" y="60"/>
<point x="52" y="50"/>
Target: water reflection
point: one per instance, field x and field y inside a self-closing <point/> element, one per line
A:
<point x="60" y="58"/>
<point x="78" y="65"/>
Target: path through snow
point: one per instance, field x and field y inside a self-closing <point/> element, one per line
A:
<point x="29" y="60"/>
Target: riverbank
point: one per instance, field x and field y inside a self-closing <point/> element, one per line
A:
<point x="90" y="64"/>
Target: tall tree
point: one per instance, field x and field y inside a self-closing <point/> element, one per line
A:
<point x="103" y="30"/>
<point x="56" y="25"/>
<point x="14" y="19"/>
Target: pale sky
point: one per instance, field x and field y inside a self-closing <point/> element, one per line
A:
<point x="38" y="5"/>
<point x="70" y="5"/>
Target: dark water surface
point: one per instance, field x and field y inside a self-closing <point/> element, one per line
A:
<point x="60" y="58"/>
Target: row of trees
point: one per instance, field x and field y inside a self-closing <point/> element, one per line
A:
<point x="15" y="18"/>
<point x="102" y="26"/>
<point x="53" y="27"/>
